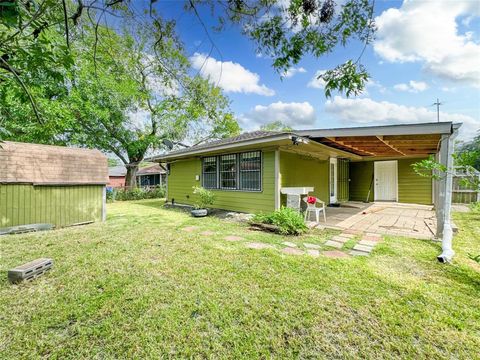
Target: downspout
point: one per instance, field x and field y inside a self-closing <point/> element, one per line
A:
<point x="447" y="234"/>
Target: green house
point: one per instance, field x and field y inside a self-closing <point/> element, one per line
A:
<point x="43" y="184"/>
<point x="249" y="172"/>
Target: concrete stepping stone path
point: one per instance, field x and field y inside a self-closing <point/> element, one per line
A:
<point x="289" y="244"/>
<point x="311" y="246"/>
<point x="190" y="228"/>
<point x="335" y="254"/>
<point x="292" y="251"/>
<point x="207" y="233"/>
<point x="259" y="246"/>
<point x="335" y="244"/>
<point x="313" y="252"/>
<point x="234" y="238"/>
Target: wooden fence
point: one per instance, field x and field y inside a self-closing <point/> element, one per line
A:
<point x="466" y="183"/>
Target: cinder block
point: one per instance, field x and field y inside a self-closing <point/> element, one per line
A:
<point x="30" y="271"/>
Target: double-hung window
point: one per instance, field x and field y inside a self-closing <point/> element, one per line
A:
<point x="241" y="171"/>
<point x="210" y="172"/>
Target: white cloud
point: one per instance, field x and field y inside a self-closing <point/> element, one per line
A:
<point x="296" y="115"/>
<point x="412" y="86"/>
<point x="292" y="71"/>
<point x="366" y="111"/>
<point x="427" y="32"/>
<point x="316" y="82"/>
<point x="230" y="76"/>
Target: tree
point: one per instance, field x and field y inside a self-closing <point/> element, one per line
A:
<point x="275" y="126"/>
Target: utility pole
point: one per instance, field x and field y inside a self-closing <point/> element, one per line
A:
<point x="438" y="103"/>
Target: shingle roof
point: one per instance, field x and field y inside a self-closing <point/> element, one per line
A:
<point x="46" y="164"/>
<point x="259" y="134"/>
<point x="118" y="170"/>
<point x="151" y="169"/>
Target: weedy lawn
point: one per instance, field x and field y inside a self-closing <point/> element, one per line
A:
<point x="141" y="285"/>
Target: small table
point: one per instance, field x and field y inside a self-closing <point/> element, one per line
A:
<point x="294" y="195"/>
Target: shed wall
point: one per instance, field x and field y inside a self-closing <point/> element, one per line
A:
<point x="22" y="204"/>
<point x="182" y="178"/>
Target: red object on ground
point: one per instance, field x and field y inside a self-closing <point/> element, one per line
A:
<point x="311" y="199"/>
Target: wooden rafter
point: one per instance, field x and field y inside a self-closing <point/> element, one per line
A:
<point x="334" y="140"/>
<point x="390" y="146"/>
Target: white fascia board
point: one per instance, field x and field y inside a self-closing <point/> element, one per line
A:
<point x="410" y="129"/>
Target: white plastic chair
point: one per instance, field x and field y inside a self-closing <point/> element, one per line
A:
<point x="313" y="208"/>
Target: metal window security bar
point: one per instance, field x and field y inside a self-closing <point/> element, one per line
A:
<point x="209" y="177"/>
<point x="242" y="171"/>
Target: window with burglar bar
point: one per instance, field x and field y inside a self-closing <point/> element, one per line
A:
<point x="241" y="171"/>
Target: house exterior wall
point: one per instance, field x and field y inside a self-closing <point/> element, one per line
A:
<point x="182" y="178"/>
<point x="116" y="181"/>
<point x="22" y="204"/>
<point x="412" y="188"/>
<point x="298" y="171"/>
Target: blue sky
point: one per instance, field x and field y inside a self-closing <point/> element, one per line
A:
<point x="423" y="50"/>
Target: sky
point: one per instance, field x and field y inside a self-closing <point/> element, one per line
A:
<point x="423" y="50"/>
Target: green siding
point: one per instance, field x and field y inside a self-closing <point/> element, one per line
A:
<point x="361" y="174"/>
<point x="298" y="170"/>
<point x="413" y="188"/>
<point x="182" y="178"/>
<point x="22" y="204"/>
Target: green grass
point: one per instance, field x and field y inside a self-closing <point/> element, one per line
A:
<point x="140" y="286"/>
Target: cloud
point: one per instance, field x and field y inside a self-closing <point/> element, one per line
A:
<point x="427" y="32"/>
<point x="316" y="82"/>
<point x="294" y="114"/>
<point x="365" y="111"/>
<point x="230" y="76"/>
<point x="412" y="86"/>
<point x="292" y="71"/>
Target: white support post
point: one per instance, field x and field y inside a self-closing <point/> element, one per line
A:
<point x="104" y="204"/>
<point x="277" y="179"/>
<point x="446" y="193"/>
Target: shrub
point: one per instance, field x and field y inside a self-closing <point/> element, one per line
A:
<point x="205" y="197"/>
<point x="135" y="193"/>
<point x="288" y="221"/>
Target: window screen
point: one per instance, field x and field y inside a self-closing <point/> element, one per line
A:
<point x="250" y="170"/>
<point x="210" y="172"/>
<point x="228" y="171"/>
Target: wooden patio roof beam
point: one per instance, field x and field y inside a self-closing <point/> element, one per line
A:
<point x="333" y="140"/>
<point x="390" y="146"/>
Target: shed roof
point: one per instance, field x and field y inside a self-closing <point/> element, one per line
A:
<point x="51" y="165"/>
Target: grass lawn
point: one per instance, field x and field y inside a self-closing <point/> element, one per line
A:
<point x="140" y="285"/>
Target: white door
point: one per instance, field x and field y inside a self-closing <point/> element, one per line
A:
<point x="333" y="181"/>
<point x="385" y="180"/>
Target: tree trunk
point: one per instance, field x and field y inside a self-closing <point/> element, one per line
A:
<point x="131" y="177"/>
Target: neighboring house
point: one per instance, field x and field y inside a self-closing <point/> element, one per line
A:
<point x="51" y="184"/>
<point x="116" y="176"/>
<point x="151" y="175"/>
<point x="248" y="172"/>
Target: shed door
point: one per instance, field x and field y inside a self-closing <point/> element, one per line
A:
<point x="386" y="180"/>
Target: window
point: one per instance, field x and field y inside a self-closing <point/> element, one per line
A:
<point x="250" y="170"/>
<point x="228" y="171"/>
<point x="233" y="171"/>
<point x="210" y="172"/>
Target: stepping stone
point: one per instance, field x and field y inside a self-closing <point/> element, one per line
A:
<point x="289" y="244"/>
<point x="347" y="235"/>
<point x="363" y="248"/>
<point x="335" y="254"/>
<point x="352" y="231"/>
<point x="259" y="246"/>
<point x="373" y="234"/>
<point x="339" y="238"/>
<point x="312" y="224"/>
<point x="234" y="238"/>
<point x="335" y="244"/>
<point x="311" y="246"/>
<point x="313" y="252"/>
<point x="371" y="238"/>
<point x="292" y="251"/>
<point x="190" y="228"/>
<point x="358" y="253"/>
<point x="368" y="243"/>
<point x="207" y="233"/>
